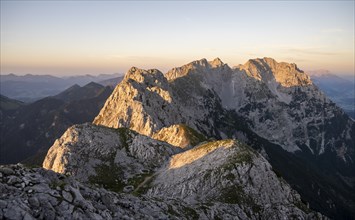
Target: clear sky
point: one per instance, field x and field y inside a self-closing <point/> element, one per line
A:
<point x="93" y="37"/>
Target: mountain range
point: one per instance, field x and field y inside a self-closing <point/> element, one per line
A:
<point x="7" y="104"/>
<point x="28" y="131"/>
<point x="274" y="107"/>
<point x="338" y="89"/>
<point x="202" y="141"/>
<point x="30" y="88"/>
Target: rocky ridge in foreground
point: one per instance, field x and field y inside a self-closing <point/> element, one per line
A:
<point x="36" y="193"/>
<point x="214" y="179"/>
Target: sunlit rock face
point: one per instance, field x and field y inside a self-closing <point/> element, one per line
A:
<point x="229" y="172"/>
<point x="277" y="100"/>
<point x="179" y="135"/>
<point x="267" y="69"/>
<point x="137" y="102"/>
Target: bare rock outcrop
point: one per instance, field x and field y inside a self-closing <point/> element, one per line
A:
<point x="115" y="158"/>
<point x="179" y="135"/>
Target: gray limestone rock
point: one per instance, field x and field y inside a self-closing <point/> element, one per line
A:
<point x="98" y="203"/>
<point x="3" y="204"/>
<point x="12" y="180"/>
<point x="67" y="196"/>
<point x="33" y="201"/>
<point x="231" y="176"/>
<point x="6" y="170"/>
<point x="110" y="157"/>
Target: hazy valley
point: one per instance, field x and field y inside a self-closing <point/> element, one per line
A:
<point x="29" y="88"/>
<point x="28" y="130"/>
<point x="338" y="89"/>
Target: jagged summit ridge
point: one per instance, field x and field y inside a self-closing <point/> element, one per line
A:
<point x="140" y="75"/>
<point x="216" y="62"/>
<point x="267" y="69"/>
<point x="134" y="102"/>
<point x="201" y="65"/>
<point x="147" y="101"/>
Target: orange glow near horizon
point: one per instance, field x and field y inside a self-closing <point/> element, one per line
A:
<point x="89" y="65"/>
<point x="38" y="38"/>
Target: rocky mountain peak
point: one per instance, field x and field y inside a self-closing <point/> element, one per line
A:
<point x="202" y="67"/>
<point x="141" y="75"/>
<point x="92" y="85"/>
<point x="216" y="63"/>
<point x="132" y="103"/>
<point x="268" y="70"/>
<point x="75" y="86"/>
<point x="198" y="63"/>
<point x="184" y="70"/>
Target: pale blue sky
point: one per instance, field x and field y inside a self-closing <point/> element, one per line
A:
<point x="63" y="37"/>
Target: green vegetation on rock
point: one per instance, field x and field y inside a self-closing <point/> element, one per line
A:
<point x="194" y="136"/>
<point x="212" y="145"/>
<point x="235" y="195"/>
<point x="108" y="175"/>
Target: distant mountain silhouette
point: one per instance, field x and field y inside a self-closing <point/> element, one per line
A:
<point x="111" y="82"/>
<point x="30" y="88"/>
<point x="338" y="89"/>
<point x="7" y="104"/>
<point x="28" y="132"/>
<point x="78" y="93"/>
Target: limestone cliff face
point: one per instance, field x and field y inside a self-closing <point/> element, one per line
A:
<point x="279" y="101"/>
<point x="138" y="102"/>
<point x="267" y="69"/>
